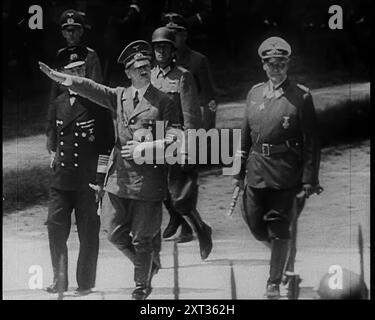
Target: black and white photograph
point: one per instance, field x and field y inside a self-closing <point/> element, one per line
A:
<point x="200" y="150"/>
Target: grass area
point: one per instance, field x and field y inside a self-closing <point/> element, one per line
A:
<point x="25" y="187"/>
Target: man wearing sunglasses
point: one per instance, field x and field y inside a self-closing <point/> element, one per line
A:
<point x="280" y="152"/>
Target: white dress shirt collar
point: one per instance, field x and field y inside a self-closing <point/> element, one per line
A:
<point x="141" y="91"/>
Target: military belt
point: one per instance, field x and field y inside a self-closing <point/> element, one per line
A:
<point x="268" y="149"/>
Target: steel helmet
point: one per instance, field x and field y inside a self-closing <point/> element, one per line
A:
<point x="164" y="34"/>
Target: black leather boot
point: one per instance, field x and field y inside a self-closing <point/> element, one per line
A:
<point x="203" y="231"/>
<point x="175" y="218"/>
<point x="142" y="275"/>
<point x="186" y="234"/>
<point x="59" y="256"/>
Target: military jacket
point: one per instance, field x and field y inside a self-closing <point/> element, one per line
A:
<point x="198" y="65"/>
<point x="179" y="84"/>
<point x="126" y="178"/>
<point x="78" y="134"/>
<point x="279" y="137"/>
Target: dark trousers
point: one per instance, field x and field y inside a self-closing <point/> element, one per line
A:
<point x="133" y="226"/>
<point x="60" y="208"/>
<point x="269" y="213"/>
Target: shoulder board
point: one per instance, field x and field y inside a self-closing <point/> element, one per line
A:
<point x="257" y="85"/>
<point x="182" y="69"/>
<point x="198" y="54"/>
<point x="89" y="49"/>
<point x="302" y="87"/>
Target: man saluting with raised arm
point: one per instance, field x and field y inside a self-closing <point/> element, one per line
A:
<point x="132" y="203"/>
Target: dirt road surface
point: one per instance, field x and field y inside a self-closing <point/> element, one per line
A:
<point x="327" y="236"/>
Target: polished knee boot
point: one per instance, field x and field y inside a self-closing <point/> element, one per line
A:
<point x="203" y="231"/>
<point x="142" y="274"/>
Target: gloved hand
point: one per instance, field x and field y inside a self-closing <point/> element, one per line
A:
<point x="238" y="183"/>
<point x="99" y="191"/>
<point x="308" y="189"/>
<point x="212" y="105"/>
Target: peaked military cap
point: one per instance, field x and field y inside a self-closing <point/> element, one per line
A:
<point x="71" y="57"/>
<point x="71" y="17"/>
<point x="174" y="21"/>
<point x="274" y="47"/>
<point x="138" y="53"/>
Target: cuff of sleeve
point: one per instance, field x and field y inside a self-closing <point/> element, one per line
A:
<point x="102" y="164"/>
<point x="100" y="177"/>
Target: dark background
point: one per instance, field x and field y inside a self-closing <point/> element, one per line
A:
<point x="230" y="36"/>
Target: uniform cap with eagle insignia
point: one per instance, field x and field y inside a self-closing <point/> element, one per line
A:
<point x="71" y="17"/>
<point x="175" y="21"/>
<point x="274" y="47"/>
<point x="138" y="53"/>
<point x="71" y="57"/>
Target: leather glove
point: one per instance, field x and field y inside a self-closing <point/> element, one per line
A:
<point x="99" y="191"/>
<point x="238" y="183"/>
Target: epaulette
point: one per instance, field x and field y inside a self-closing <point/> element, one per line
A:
<point x="182" y="69"/>
<point x="257" y="85"/>
<point x="89" y="49"/>
<point x="58" y="51"/>
<point x="302" y="87"/>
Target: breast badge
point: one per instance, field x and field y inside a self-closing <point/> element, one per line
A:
<point x="286" y="123"/>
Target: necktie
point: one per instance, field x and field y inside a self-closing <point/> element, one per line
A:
<point x="72" y="98"/>
<point x="135" y="99"/>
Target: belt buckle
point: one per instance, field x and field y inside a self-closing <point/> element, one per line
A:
<point x="265" y="149"/>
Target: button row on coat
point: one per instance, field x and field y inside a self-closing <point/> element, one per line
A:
<point x="63" y="164"/>
<point x="62" y="154"/>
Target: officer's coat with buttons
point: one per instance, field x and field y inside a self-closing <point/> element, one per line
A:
<point x="78" y="131"/>
<point x="275" y="117"/>
<point x="126" y="178"/>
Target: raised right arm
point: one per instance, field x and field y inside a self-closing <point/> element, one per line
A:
<point x="97" y="93"/>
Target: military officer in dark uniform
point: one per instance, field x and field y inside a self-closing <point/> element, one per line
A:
<point x="280" y="151"/>
<point x="72" y="29"/>
<point x="198" y="65"/>
<point x="179" y="84"/>
<point x="80" y="136"/>
<point x="132" y="204"/>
